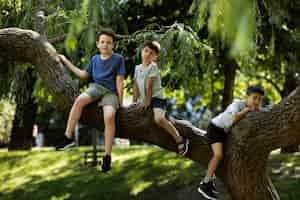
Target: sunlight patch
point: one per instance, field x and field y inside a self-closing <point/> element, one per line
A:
<point x="140" y="187"/>
<point x="65" y="196"/>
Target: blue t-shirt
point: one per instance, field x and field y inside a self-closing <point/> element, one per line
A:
<point x="104" y="72"/>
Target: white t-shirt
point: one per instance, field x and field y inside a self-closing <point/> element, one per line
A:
<point x="225" y="119"/>
<point x="141" y="75"/>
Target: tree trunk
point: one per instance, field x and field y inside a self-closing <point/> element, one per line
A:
<point x="289" y="85"/>
<point x="230" y="66"/>
<point x="21" y="136"/>
<point x="247" y="147"/>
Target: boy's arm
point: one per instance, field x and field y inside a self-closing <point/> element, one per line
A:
<point x="120" y="88"/>
<point x="136" y="92"/>
<point x="80" y="73"/>
<point x="239" y="115"/>
<point x="148" y="91"/>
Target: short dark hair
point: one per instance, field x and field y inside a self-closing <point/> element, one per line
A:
<point x="106" y="31"/>
<point x="255" y="89"/>
<point x="154" y="45"/>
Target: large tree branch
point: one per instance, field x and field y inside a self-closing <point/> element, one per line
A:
<point x="246" y="149"/>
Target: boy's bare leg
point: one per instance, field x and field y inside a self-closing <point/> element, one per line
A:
<point x="81" y="101"/>
<point x="110" y="127"/>
<point x="160" y="120"/>
<point x="206" y="187"/>
<point x="215" y="160"/>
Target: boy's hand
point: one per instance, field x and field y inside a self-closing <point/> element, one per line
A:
<point x="62" y="58"/>
<point x="246" y="109"/>
<point x="252" y="108"/>
<point x="133" y="104"/>
<point x="143" y="106"/>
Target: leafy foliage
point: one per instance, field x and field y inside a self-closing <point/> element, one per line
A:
<point x="7" y="110"/>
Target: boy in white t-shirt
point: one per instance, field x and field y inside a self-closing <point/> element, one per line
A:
<point x="217" y="132"/>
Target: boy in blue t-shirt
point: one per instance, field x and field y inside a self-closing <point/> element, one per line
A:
<point x="107" y="71"/>
<point x="217" y="131"/>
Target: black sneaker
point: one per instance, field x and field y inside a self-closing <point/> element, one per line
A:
<point x="205" y="189"/>
<point x="106" y="163"/>
<point x="67" y="143"/>
<point x="214" y="189"/>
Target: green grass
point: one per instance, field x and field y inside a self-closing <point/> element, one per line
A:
<point x="138" y="173"/>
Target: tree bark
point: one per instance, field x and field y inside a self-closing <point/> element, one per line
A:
<point x="290" y="84"/>
<point x="230" y="66"/>
<point x="247" y="147"/>
<point x="21" y="136"/>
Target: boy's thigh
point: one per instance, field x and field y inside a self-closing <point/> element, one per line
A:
<point x="83" y="97"/>
<point x="110" y="99"/>
<point x="217" y="147"/>
<point x="215" y="134"/>
<point x="159" y="113"/>
<point x="95" y="91"/>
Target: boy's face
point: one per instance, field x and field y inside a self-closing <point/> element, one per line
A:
<point x="105" y="44"/>
<point x="148" y="54"/>
<point x="253" y="100"/>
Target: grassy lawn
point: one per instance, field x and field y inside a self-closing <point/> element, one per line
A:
<point x="138" y="172"/>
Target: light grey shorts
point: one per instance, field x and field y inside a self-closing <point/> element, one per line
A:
<point x="106" y="96"/>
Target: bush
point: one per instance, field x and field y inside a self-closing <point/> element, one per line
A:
<point x="7" y="111"/>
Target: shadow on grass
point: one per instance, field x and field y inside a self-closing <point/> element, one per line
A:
<point x="145" y="175"/>
<point x="141" y="173"/>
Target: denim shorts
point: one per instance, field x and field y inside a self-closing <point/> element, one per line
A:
<point x="159" y="103"/>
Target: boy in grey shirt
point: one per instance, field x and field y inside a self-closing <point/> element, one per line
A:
<point x="148" y="92"/>
<point x="217" y="131"/>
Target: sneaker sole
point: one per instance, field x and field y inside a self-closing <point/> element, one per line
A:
<point x="205" y="195"/>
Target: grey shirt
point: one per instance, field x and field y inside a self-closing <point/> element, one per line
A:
<point x="141" y="76"/>
<point x="225" y="119"/>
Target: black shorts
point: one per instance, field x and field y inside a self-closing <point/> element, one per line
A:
<point x="159" y="103"/>
<point x="215" y="134"/>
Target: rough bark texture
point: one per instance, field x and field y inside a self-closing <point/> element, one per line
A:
<point x="290" y="84"/>
<point x="230" y="67"/>
<point x="21" y="134"/>
<point x="246" y="150"/>
<point x="21" y="137"/>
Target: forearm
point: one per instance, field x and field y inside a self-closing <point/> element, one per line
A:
<point x="135" y="92"/>
<point x="239" y="115"/>
<point x="148" y="96"/>
<point x="78" y="72"/>
<point x="120" y="89"/>
<point x="148" y="91"/>
<point x="120" y="96"/>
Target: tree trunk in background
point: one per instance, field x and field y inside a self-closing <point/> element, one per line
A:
<point x="246" y="149"/>
<point x="289" y="85"/>
<point x="21" y="136"/>
<point x="230" y="67"/>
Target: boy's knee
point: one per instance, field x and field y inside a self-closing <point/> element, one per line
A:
<point x="159" y="119"/>
<point x="109" y="116"/>
<point x="80" y="102"/>
<point x="218" y="155"/>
